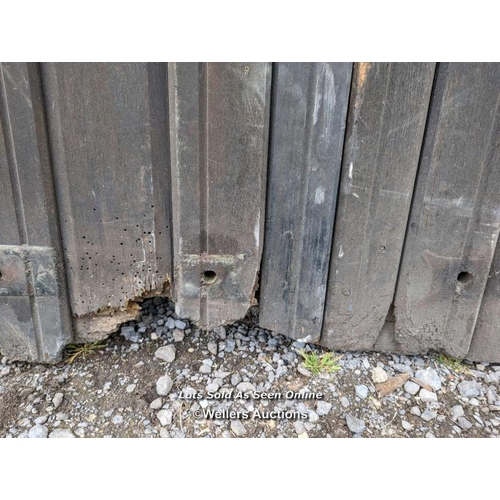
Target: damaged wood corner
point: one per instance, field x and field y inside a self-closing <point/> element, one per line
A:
<point x="254" y="301"/>
<point x="99" y="324"/>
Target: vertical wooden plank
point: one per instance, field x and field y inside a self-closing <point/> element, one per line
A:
<point x="454" y="222"/>
<point x="308" y="124"/>
<point x="9" y="232"/>
<point x="485" y="345"/>
<point x="219" y="134"/>
<point x="34" y="315"/>
<point x="110" y="146"/>
<point x="387" y="117"/>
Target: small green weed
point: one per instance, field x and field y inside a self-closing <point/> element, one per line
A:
<point x="83" y="350"/>
<point x="454" y="364"/>
<point x="320" y="363"/>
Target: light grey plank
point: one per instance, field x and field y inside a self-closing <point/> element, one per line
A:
<point x="34" y="319"/>
<point x="485" y="345"/>
<point x="387" y="116"/>
<point x="219" y="134"/>
<point x="454" y="222"/>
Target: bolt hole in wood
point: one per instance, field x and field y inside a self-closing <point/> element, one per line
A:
<point x="209" y="277"/>
<point x="464" y="278"/>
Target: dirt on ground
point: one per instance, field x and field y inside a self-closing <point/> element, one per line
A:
<point x="127" y="387"/>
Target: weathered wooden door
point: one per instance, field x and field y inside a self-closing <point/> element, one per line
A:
<point x="357" y="203"/>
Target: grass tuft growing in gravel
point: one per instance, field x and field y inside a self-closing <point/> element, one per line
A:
<point x="454" y="364"/>
<point x="320" y="363"/>
<point x="76" y="350"/>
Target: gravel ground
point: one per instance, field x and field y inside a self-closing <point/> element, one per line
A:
<point x="161" y="377"/>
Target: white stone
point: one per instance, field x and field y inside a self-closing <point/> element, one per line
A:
<point x="164" y="385"/>
<point x="61" y="434"/>
<point x="38" y="431"/>
<point x="165" y="417"/>
<point x="379" y="375"/>
<point x="57" y="399"/>
<point x="166" y="353"/>
<point x="427" y="396"/>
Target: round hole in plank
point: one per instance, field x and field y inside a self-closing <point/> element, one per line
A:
<point x="464" y="278"/>
<point x="209" y="277"/>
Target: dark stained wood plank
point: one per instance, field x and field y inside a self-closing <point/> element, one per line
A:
<point x="35" y="322"/>
<point x="109" y="138"/>
<point x="219" y="134"/>
<point x="454" y="222"/>
<point x="308" y="125"/>
<point x="387" y="116"/>
<point x="485" y="345"/>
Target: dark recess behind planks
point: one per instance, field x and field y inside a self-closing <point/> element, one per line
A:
<point x="359" y="202"/>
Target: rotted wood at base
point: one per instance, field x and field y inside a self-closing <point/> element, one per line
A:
<point x="109" y="139"/>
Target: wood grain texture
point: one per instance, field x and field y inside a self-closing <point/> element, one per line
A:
<point x="34" y="314"/>
<point x="110" y="145"/>
<point x="219" y="136"/>
<point x="8" y="220"/>
<point x="387" y="116"/>
<point x="308" y="124"/>
<point x="454" y="221"/>
<point x="485" y="345"/>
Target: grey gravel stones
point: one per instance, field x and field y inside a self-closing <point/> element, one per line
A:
<point x="238" y="428"/>
<point x="406" y="425"/>
<point x="156" y="404"/>
<point x="245" y="387"/>
<point x="323" y="408"/>
<point x="165" y="417"/>
<point x="469" y="389"/>
<point x="428" y="415"/>
<point x="313" y="416"/>
<point x="178" y="335"/>
<point x="57" y="399"/>
<point x="411" y="388"/>
<point x="170" y="323"/>
<point x="361" y="391"/>
<point x="415" y="410"/>
<point x="356" y="425"/>
<point x="379" y="375"/>
<point x="181" y="325"/>
<point x="427" y="396"/>
<point x="304" y="371"/>
<point x="429" y="377"/>
<point x="129" y="333"/>
<point x="464" y="423"/>
<point x="164" y="385"/>
<point x="166" y="353"/>
<point x="38" y="431"/>
<point x="212" y="347"/>
<point x="61" y="434"/>
<point x="204" y="368"/>
<point x="255" y="360"/>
